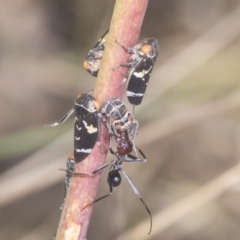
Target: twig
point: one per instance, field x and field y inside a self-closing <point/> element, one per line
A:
<point x="125" y="27"/>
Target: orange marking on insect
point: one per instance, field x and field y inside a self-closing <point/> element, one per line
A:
<point x="85" y="65"/>
<point x="146" y="48"/>
<point x="97" y="104"/>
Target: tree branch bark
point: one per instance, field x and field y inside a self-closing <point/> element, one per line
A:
<point x="125" y="27"/>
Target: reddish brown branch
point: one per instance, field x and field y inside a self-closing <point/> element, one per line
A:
<point x="125" y="27"/>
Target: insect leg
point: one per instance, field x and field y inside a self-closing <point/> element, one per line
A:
<point x="141" y="152"/>
<point x="129" y="50"/>
<point x="63" y="119"/>
<point x="110" y="186"/>
<point x="137" y="193"/>
<point x="99" y="199"/>
<point x="131" y="158"/>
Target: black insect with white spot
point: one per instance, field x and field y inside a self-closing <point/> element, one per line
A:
<point x="94" y="57"/>
<point x="87" y="125"/>
<point x="141" y="63"/>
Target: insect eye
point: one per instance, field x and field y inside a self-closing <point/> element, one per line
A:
<point x="146" y="49"/>
<point x="85" y="65"/>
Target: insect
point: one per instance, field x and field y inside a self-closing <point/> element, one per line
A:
<point x="141" y="63"/>
<point x="94" y="57"/>
<point x="87" y="125"/>
<point x="70" y="168"/>
<point x="114" y="178"/>
<point x="118" y="118"/>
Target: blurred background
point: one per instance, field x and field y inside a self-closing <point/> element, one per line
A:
<point x="189" y="120"/>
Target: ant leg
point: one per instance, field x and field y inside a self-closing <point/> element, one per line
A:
<point x="111" y="151"/>
<point x="90" y="175"/>
<point x="141" y="152"/>
<point x="131" y="158"/>
<point x="73" y="173"/>
<point x="134" y="148"/>
<point x="137" y="193"/>
<point x="63" y="119"/>
<point x="99" y="199"/>
<point x="110" y="182"/>
<point x="101" y="168"/>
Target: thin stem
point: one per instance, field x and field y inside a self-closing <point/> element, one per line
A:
<point x="125" y="27"/>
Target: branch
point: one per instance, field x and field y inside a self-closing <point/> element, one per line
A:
<point x="125" y="27"/>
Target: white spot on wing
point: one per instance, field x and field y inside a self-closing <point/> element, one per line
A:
<point x="142" y="73"/>
<point x="78" y="128"/>
<point x="139" y="74"/>
<point x="132" y="94"/>
<point x="84" y="150"/>
<point x="90" y="129"/>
